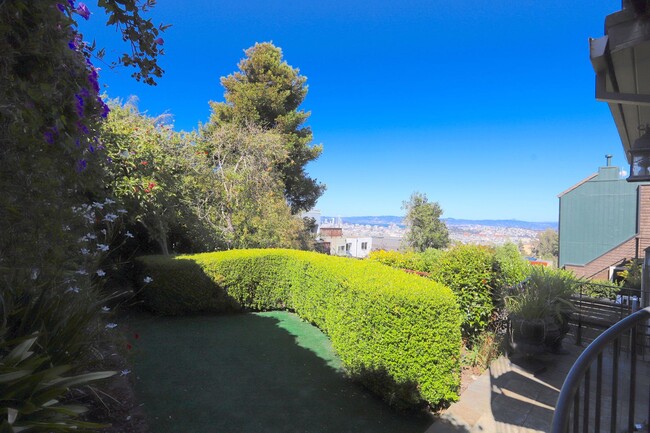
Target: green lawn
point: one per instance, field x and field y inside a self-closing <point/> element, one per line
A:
<point x="263" y="372"/>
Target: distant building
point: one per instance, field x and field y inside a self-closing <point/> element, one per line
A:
<point x="604" y="221"/>
<point x="331" y="241"/>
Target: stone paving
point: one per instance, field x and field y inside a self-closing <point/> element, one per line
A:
<point x="512" y="396"/>
<point x="519" y="395"/>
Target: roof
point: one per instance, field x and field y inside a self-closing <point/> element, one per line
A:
<point x="582" y="182"/>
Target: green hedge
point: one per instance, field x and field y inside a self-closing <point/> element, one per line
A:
<point x="397" y="333"/>
<point x="478" y="275"/>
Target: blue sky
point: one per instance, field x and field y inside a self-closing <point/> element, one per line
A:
<point x="487" y="106"/>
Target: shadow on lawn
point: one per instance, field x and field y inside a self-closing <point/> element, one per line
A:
<point x="266" y="372"/>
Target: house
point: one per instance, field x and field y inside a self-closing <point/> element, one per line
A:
<point x="604" y="221"/>
<point x="331" y="241"/>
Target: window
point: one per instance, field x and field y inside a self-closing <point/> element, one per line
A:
<point x="364" y="245"/>
<point x="341" y="249"/>
<point x="347" y="247"/>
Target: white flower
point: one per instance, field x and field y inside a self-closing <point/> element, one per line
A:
<point x="102" y="247"/>
<point x="66" y="228"/>
<point x="105" y="309"/>
<point x="73" y="289"/>
<point x="98" y="205"/>
<point x="103" y="231"/>
<point x="111" y="325"/>
<point x="125" y="154"/>
<point x="83" y="239"/>
<point x="85" y="251"/>
<point x="81" y="272"/>
<point x="148" y="279"/>
<point x="128" y="234"/>
<point x="124" y="372"/>
<point x="122" y="211"/>
<point x="100" y="273"/>
<point x="109" y="201"/>
<point x="91" y="236"/>
<point x="110" y="217"/>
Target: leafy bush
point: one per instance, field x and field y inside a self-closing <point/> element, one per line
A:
<point x="546" y="293"/>
<point x="478" y="275"/>
<point x="467" y="270"/>
<point x="397" y="333"/>
<point x="31" y="391"/>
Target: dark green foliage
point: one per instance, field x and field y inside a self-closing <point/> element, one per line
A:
<point x="266" y="92"/>
<point x="398" y="333"/>
<point x="31" y="390"/>
<point x="425" y="230"/>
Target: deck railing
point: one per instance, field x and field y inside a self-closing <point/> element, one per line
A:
<point x="581" y="409"/>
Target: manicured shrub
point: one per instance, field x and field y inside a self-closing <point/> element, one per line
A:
<point x="467" y="271"/>
<point x="397" y="333"/>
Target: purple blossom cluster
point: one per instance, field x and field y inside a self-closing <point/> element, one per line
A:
<point x="87" y="101"/>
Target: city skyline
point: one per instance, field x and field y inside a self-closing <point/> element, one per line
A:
<point x="487" y="107"/>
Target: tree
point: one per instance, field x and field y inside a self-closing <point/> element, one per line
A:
<point x="547" y="245"/>
<point x="144" y="169"/>
<point x="235" y="191"/>
<point x="266" y="92"/>
<point x="424" y="228"/>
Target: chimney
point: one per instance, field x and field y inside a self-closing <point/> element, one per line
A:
<point x="609" y="160"/>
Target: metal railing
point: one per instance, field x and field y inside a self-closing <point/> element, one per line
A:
<point x="575" y="409"/>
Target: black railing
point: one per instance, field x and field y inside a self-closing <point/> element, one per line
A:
<point x="586" y="411"/>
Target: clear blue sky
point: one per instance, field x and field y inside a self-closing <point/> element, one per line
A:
<point x="487" y="106"/>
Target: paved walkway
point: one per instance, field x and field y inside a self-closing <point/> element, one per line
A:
<point x="511" y="397"/>
<point x="519" y="396"/>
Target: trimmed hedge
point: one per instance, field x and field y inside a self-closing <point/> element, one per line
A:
<point x="478" y="275"/>
<point x="399" y="334"/>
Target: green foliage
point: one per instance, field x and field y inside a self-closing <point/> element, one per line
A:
<point x="600" y="289"/>
<point x="632" y="275"/>
<point x="398" y="333"/>
<point x="468" y="271"/>
<point x="266" y="92"/>
<point x="511" y="268"/>
<point x="31" y="391"/>
<point x="478" y="276"/>
<point x="547" y="246"/>
<point x="425" y="230"/>
<point x="546" y="293"/>
<point x="481" y="350"/>
<point x="50" y="111"/>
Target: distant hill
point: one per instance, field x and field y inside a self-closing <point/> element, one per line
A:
<point x="387" y="220"/>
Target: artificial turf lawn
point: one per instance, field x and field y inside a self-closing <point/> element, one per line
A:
<point x="260" y="372"/>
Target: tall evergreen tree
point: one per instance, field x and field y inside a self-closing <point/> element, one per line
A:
<point x="425" y="230"/>
<point x="266" y="92"/>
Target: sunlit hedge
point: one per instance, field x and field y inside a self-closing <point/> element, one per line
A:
<point x="478" y="275"/>
<point x="397" y="333"/>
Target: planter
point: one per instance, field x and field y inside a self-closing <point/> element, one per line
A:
<point x="534" y="336"/>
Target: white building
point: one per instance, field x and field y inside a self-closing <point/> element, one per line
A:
<point x="333" y="241"/>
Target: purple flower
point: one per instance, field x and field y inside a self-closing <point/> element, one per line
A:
<point x="82" y="10"/>
<point x="91" y="148"/>
<point x="159" y="41"/>
<point x="79" y="105"/>
<point x="92" y="79"/>
<point x="61" y="7"/>
<point x="81" y="165"/>
<point x="50" y="134"/>
<point x="83" y="128"/>
<point x="71" y="3"/>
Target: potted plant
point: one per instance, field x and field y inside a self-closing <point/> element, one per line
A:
<point x="539" y="310"/>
